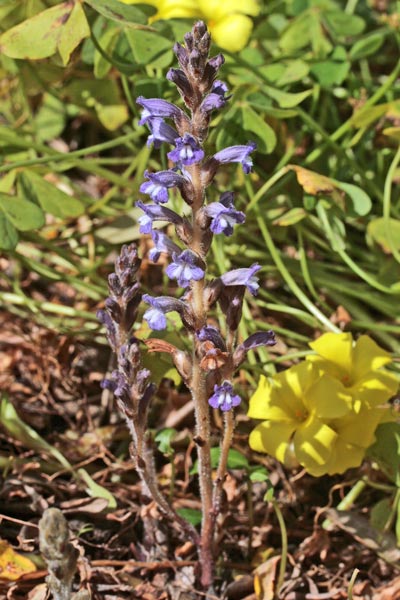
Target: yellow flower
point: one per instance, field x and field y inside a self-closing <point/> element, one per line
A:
<point x="324" y="411"/>
<point x="358" y="366"/>
<point x="229" y="25"/>
<point x="228" y="21"/>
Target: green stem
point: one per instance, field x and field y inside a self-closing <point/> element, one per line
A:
<point x="387" y="196"/>
<point x="284" y="538"/>
<point x="295" y="289"/>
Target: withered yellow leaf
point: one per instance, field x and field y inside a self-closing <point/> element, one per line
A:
<point x="12" y="564"/>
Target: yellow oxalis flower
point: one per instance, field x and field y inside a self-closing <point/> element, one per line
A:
<point x="358" y="366"/>
<point x="325" y="410"/>
<point x="228" y="21"/>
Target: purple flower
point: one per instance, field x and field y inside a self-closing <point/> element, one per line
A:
<point x="156" y="107"/>
<point x="185" y="268"/>
<point x="187" y="151"/>
<point x="155" y="316"/>
<point x="160" y="132"/>
<point x="223" y="397"/>
<point x="155" y="212"/>
<point x="224" y="215"/>
<point x="243" y="277"/>
<point x="239" y="154"/>
<point x="158" y="184"/>
<point x="211" y="334"/>
<point x="216" y="99"/>
<point x="260" y="338"/>
<point x="162" y="243"/>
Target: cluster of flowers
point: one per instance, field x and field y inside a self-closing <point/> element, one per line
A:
<point x="324" y="411"/>
<point x="192" y="173"/>
<point x="228" y="22"/>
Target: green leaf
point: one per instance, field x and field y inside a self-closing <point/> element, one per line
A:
<point x="112" y="117"/>
<point x="53" y="201"/>
<point x="295" y="70"/>
<point x="191" y="515"/>
<point x="8" y="234"/>
<point x="266" y="138"/>
<point x="24" y="215"/>
<point x="291" y="217"/>
<point x="367" y="46"/>
<point x="75" y="29"/>
<point x="164" y="439"/>
<point x="41" y="35"/>
<point x="147" y="46"/>
<point x="361" y="201"/>
<point x="107" y="41"/>
<point x="297" y="35"/>
<point x="377" y="230"/>
<point x="117" y="11"/>
<point x="259" y="474"/>
<point x="386" y="450"/>
<point x="343" y="24"/>
<point x="286" y="99"/>
<point x="236" y="460"/>
<point x="330" y="73"/>
<point x="50" y="119"/>
<point x="380" y="514"/>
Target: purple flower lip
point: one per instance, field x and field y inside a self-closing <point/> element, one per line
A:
<point x="216" y="99"/>
<point x="156" y="107"/>
<point x="159" y="183"/>
<point x="244" y="277"/>
<point x="162" y="243"/>
<point x="256" y="340"/>
<point x="224" y="215"/>
<point x="240" y="154"/>
<point x="160" y="132"/>
<point x="224" y="397"/>
<point x="187" y="151"/>
<point x="155" y="316"/>
<point x="185" y="268"/>
<point x="211" y="334"/>
<point x="155" y="212"/>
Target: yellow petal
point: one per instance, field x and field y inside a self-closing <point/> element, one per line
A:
<point x="359" y="429"/>
<point x="232" y="32"/>
<point x="215" y="10"/>
<point x="272" y="438"/>
<point x="327" y="398"/>
<point x="345" y="456"/>
<point x="313" y="444"/>
<point x="368" y="356"/>
<point x="336" y="348"/>
<point x="177" y="9"/>
<point x="375" y="389"/>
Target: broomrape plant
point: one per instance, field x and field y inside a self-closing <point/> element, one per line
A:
<point x="208" y="369"/>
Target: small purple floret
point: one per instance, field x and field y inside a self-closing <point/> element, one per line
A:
<point x="162" y="243"/>
<point x="155" y="316"/>
<point x="187" y="151"/>
<point x="156" y="107"/>
<point x="160" y="132"/>
<point x="224" y="215"/>
<point x="155" y="212"/>
<point x="223" y="397"/>
<point x="185" y="268"/>
<point x="159" y="183"/>
<point x="240" y="154"/>
<point x="216" y="98"/>
<point x="243" y="277"/>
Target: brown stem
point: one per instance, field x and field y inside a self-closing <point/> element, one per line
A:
<point x="229" y="425"/>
